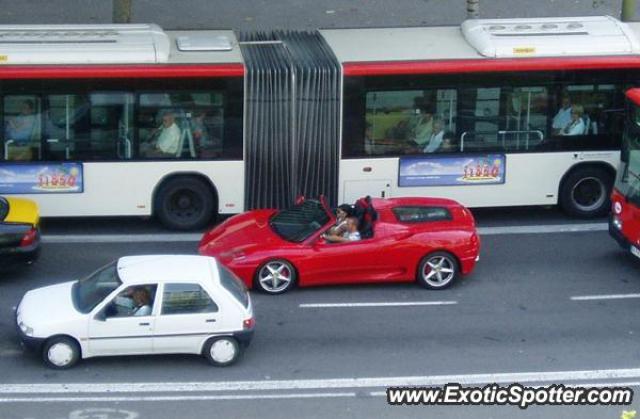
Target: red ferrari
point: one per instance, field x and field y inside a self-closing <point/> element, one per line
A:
<point x="429" y="240"/>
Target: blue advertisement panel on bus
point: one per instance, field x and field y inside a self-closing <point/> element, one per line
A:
<point x="38" y="178"/>
<point x="433" y="170"/>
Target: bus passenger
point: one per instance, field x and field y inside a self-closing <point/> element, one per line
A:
<point x="576" y="126"/>
<point x="20" y="129"/>
<point x="421" y="126"/>
<point x="448" y="143"/>
<point x="563" y="117"/>
<point x="343" y="212"/>
<point x="165" y="139"/>
<point x="436" y="137"/>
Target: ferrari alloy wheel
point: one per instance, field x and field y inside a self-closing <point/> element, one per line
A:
<point x="438" y="270"/>
<point x="276" y="277"/>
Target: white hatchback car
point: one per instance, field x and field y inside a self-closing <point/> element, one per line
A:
<point x="160" y="304"/>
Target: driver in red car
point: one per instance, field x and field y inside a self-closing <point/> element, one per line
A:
<point x="351" y="234"/>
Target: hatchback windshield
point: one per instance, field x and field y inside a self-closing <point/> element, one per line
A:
<point x="299" y="222"/>
<point x="4" y="208"/>
<point x="88" y="292"/>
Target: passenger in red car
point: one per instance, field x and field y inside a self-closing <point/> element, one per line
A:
<point x="340" y="227"/>
<point x="352" y="233"/>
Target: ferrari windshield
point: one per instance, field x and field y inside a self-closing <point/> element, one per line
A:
<point x="298" y="223"/>
<point x="88" y="292"/>
<point x="628" y="181"/>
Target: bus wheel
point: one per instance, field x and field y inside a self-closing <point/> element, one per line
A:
<point x="585" y="192"/>
<point x="184" y="203"/>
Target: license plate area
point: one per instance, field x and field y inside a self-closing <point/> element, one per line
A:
<point x="635" y="251"/>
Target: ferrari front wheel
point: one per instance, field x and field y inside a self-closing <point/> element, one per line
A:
<point x="438" y="270"/>
<point x="275" y="277"/>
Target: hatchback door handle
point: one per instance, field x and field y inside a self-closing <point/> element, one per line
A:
<point x="144" y="324"/>
<point x="211" y="320"/>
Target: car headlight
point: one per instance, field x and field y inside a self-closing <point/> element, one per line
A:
<point x="26" y="329"/>
<point x="617" y="223"/>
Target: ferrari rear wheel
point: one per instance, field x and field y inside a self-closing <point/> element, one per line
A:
<point x="438" y="270"/>
<point x="276" y="276"/>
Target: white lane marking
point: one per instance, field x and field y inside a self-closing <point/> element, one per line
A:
<point x="120" y="238"/>
<point x="390" y="304"/>
<point x="195" y="237"/>
<point x="173" y="398"/>
<point x="317" y="384"/>
<point x="604" y="297"/>
<point x="543" y="229"/>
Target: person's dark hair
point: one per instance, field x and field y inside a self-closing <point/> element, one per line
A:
<point x="346" y="208"/>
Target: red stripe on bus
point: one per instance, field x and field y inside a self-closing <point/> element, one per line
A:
<point x="120" y="71"/>
<point x="388" y="68"/>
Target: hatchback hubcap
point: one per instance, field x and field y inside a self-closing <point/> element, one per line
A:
<point x="60" y="354"/>
<point x="222" y="351"/>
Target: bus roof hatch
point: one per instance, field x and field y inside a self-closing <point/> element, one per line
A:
<point x="83" y="44"/>
<point x="550" y="37"/>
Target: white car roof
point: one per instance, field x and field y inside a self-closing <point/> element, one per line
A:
<point x="168" y="268"/>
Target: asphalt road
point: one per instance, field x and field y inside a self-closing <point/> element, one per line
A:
<point x="515" y="314"/>
<point x="295" y="14"/>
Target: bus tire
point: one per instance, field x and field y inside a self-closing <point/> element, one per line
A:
<point x="184" y="203"/>
<point x="585" y="192"/>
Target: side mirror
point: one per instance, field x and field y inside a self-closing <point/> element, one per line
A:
<point x="101" y="316"/>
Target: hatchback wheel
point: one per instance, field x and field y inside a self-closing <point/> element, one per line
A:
<point x="438" y="270"/>
<point x="222" y="351"/>
<point x="61" y="353"/>
<point x="276" y="277"/>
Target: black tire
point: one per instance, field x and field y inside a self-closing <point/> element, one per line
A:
<point x="275" y="277"/>
<point x="221" y="351"/>
<point x="438" y="270"/>
<point x="184" y="203"/>
<point x="585" y="192"/>
<point x="60" y="353"/>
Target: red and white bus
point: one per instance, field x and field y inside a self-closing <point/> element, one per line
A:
<point x="624" y="221"/>
<point x="497" y="112"/>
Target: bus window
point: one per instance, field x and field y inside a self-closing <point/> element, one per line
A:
<point x="524" y="123"/>
<point x="402" y="122"/>
<point x="67" y="127"/>
<point x="111" y="127"/>
<point x="592" y="117"/>
<point x="478" y="120"/>
<point x="22" y="118"/>
<point x="181" y="125"/>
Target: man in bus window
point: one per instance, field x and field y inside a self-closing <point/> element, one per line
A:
<point x="435" y="140"/>
<point x="165" y="139"/>
<point x="421" y="125"/>
<point x="563" y="117"/>
<point x="20" y="129"/>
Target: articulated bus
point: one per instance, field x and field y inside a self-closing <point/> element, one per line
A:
<point x="624" y="220"/>
<point x="110" y="120"/>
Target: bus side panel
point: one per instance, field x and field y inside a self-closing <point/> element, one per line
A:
<point x="530" y="179"/>
<point x="126" y="188"/>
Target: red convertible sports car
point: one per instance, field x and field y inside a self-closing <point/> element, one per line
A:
<point x="428" y="240"/>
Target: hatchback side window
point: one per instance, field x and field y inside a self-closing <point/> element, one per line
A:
<point x="186" y="299"/>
